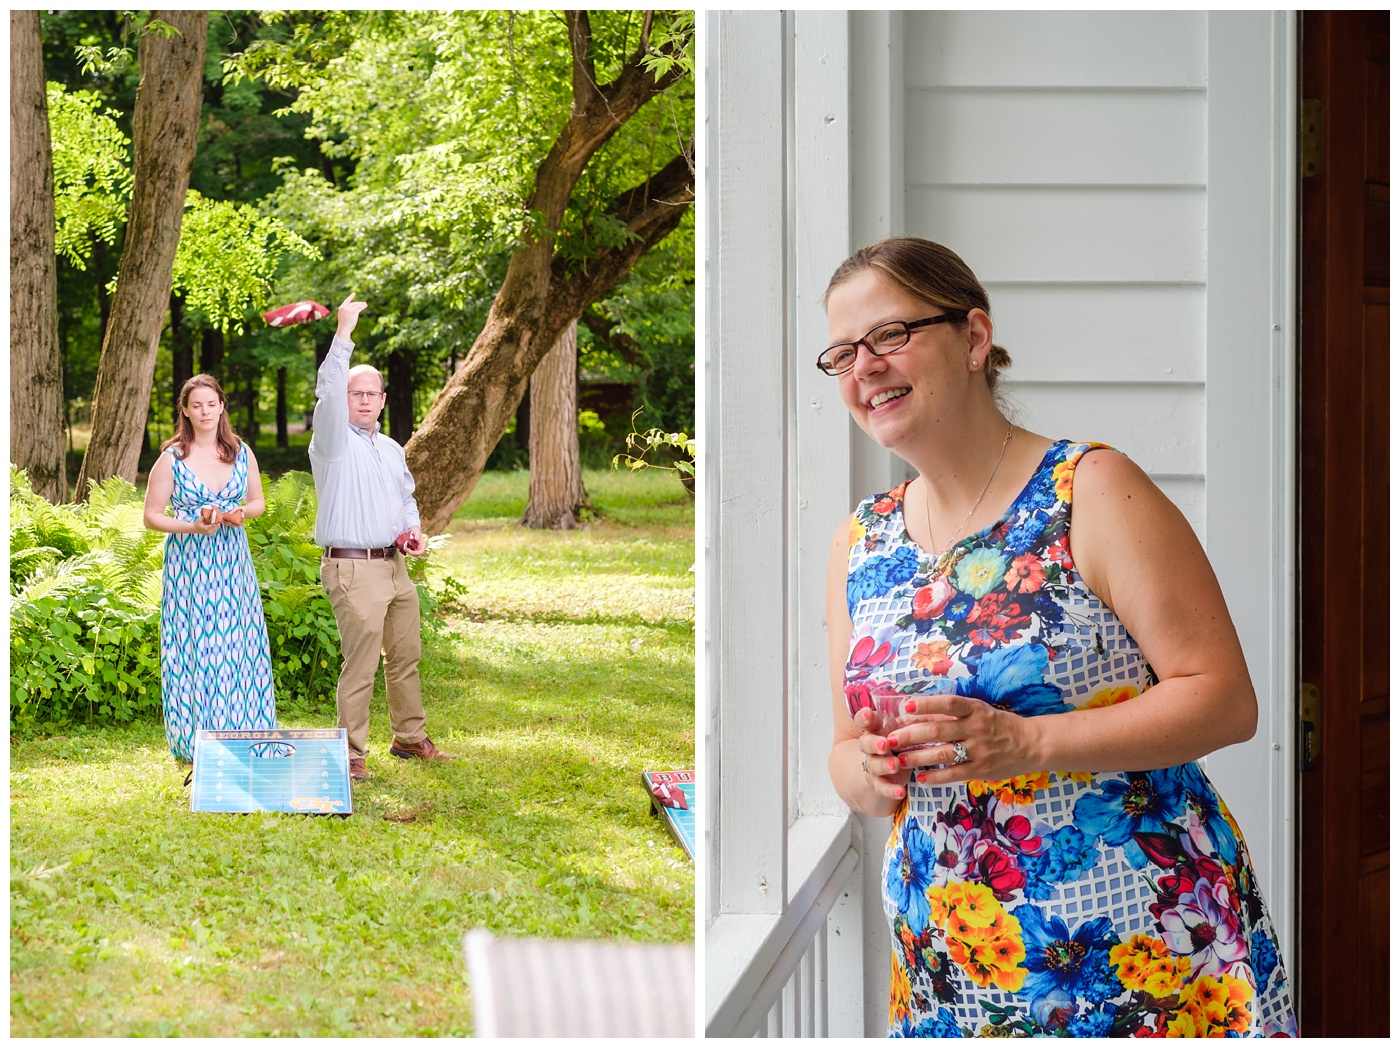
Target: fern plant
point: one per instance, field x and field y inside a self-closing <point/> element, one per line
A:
<point x="84" y="608"/>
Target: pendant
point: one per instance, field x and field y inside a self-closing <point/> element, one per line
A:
<point x="946" y="562"/>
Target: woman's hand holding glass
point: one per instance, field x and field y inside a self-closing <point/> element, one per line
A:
<point x="886" y="771"/>
<point x="994" y="744"/>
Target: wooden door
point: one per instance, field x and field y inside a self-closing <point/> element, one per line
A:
<point x="1342" y="981"/>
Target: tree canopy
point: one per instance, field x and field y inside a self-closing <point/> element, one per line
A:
<point x="397" y="154"/>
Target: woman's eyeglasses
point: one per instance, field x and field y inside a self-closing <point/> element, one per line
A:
<point x="886" y="338"/>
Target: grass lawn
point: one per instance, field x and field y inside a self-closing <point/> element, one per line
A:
<point x="560" y="667"/>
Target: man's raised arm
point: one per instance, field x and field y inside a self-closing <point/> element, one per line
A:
<point x="332" y="413"/>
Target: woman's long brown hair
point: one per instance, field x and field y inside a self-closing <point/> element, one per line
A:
<point x="227" y="440"/>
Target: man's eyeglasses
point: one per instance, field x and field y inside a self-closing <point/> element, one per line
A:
<point x="886" y="338"/>
<point x="364" y="395"/>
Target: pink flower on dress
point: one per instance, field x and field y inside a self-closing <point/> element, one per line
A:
<point x="930" y="601"/>
<point x="1203" y="926"/>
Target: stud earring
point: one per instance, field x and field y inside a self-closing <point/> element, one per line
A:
<point x="974" y="363"/>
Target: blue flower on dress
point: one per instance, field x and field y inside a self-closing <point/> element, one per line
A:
<point x="1024" y="536"/>
<point x="1066" y="855"/>
<point x="1075" y="964"/>
<point x="1095" y="1023"/>
<point x="1202" y="796"/>
<point x="909" y="874"/>
<point x="1013" y="678"/>
<point x="1263" y="956"/>
<point x="879" y="575"/>
<point x="958" y="608"/>
<point x="944" y="1024"/>
<point x="1140" y="802"/>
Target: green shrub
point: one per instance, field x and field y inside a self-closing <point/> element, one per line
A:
<point x="84" y="608"/>
<point x="301" y="630"/>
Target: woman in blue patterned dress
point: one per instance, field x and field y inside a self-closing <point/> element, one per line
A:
<point x="215" y="671"/>
<point x="1058" y="864"/>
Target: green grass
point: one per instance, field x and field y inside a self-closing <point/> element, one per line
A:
<point x="562" y="665"/>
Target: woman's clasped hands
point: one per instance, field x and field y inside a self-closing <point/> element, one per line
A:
<point x="941" y="739"/>
<point x="211" y="518"/>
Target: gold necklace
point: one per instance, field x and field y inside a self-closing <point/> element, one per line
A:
<point x="944" y="558"/>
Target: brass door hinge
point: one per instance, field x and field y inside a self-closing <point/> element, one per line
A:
<point x="1311" y="137"/>
<point x="1310" y="713"/>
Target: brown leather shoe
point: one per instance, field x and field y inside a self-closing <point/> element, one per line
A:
<point x="358" y="771"/>
<point x="424" y="750"/>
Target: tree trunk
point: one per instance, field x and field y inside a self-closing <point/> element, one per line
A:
<point x="181" y="356"/>
<point x="36" y="371"/>
<point x="251" y="387"/>
<point x="399" y="379"/>
<point x="522" y="422"/>
<point x="165" y="126"/>
<point x="282" y="408"/>
<point x="542" y="295"/>
<point x="556" y="477"/>
<point x="211" y="353"/>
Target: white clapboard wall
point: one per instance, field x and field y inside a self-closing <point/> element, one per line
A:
<point x="1121" y="183"/>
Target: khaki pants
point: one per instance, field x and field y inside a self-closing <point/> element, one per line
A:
<point x="376" y="608"/>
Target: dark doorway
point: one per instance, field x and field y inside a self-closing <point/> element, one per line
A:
<point x="1344" y="495"/>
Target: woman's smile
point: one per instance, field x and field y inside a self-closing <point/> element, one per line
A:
<point x="884" y="396"/>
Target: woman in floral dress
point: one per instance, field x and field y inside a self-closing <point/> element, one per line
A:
<point x="215" y="668"/>
<point x="1058" y="864"/>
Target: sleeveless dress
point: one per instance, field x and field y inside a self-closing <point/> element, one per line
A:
<point x="215" y="670"/>
<point x="1080" y="904"/>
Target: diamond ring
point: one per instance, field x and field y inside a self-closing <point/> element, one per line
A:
<point x="959" y="753"/>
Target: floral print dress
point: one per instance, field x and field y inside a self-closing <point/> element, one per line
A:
<point x="1079" y="904"/>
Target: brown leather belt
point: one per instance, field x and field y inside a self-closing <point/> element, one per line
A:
<point x="342" y="553"/>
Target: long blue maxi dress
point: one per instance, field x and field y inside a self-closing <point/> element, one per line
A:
<point x="1055" y="903"/>
<point x="215" y="669"/>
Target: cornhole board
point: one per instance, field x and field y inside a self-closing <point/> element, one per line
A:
<point x="242" y="771"/>
<point x="673" y="798"/>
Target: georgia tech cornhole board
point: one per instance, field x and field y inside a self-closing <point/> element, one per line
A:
<point x="673" y="798"/>
<point x="304" y="770"/>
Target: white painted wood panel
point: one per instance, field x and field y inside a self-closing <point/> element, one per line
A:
<point x="1066" y="234"/>
<point x="748" y="472"/>
<point x="819" y="474"/>
<point x="1157" y="426"/>
<point x="1057" y="48"/>
<point x="1251" y="464"/>
<point x="1074" y="137"/>
<point x="1101" y="332"/>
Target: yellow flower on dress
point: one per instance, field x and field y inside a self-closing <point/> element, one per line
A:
<point x="1020" y="789"/>
<point x="1238" y="994"/>
<point x="983" y="939"/>
<point x="1063" y="476"/>
<point x="979" y="907"/>
<point x="857" y="531"/>
<point x="900" y="990"/>
<point x="1183" y="1024"/>
<point x="1111" y="696"/>
<point x="940" y="904"/>
<point x="1145" y="963"/>
<point x="1205" y="998"/>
